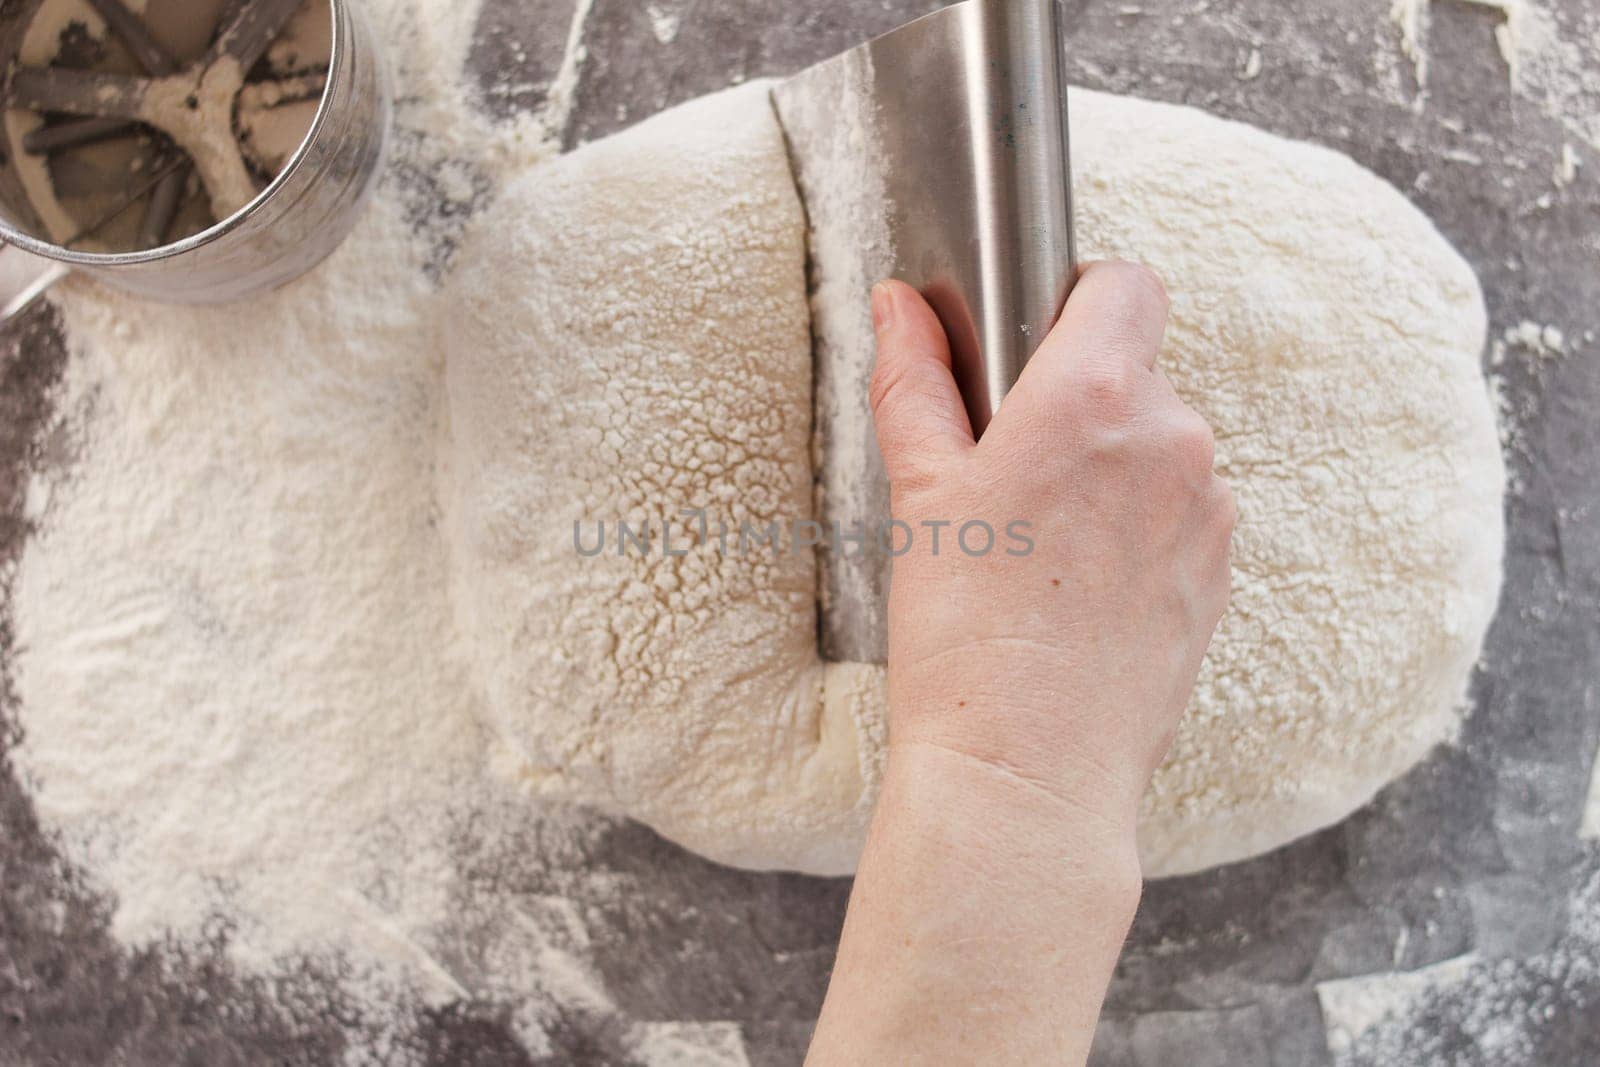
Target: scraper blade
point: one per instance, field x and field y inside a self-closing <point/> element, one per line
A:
<point x="936" y="154"/>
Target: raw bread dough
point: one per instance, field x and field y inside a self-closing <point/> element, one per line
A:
<point x="630" y="338"/>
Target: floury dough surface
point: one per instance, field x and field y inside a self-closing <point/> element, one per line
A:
<point x="1322" y="325"/>
<point x="631" y="338"/>
<point x="1332" y="339"/>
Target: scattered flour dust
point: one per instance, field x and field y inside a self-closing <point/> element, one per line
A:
<point x="245" y="527"/>
<point x="229" y="605"/>
<point x="1471" y="1010"/>
<point x="688" y="1045"/>
<point x="248" y="525"/>
<point x="1533" y="346"/>
<point x="248" y="530"/>
<point x="664" y="23"/>
<point x="1410" y="17"/>
<point x="1549" y="57"/>
<point x="1366" y="569"/>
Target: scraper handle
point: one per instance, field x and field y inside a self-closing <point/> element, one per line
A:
<point x="1000" y="295"/>
<point x="936" y="154"/>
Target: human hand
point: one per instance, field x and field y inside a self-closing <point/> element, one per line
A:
<point x="1032" y="695"/>
<point x="1069" y="665"/>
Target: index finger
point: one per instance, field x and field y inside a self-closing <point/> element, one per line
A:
<point x="1116" y="310"/>
<point x="1106" y="341"/>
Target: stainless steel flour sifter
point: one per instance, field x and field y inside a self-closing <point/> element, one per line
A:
<point x="936" y="154"/>
<point x="197" y="152"/>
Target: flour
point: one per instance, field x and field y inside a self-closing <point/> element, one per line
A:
<point x="245" y="701"/>
<point x="1407" y="15"/>
<point x="243" y="704"/>
<point x="1332" y="340"/>
<point x="1544" y="341"/>
<point x="1410" y="18"/>
<point x="272" y="127"/>
<point x="688" y="1045"/>
<point x="248" y="536"/>
<point x="1355" y="1007"/>
<point x="1566" y="171"/>
<point x="664" y="24"/>
<point x="1548" y="58"/>
<point x="199" y="115"/>
<point x="563" y="89"/>
<point x="205" y="131"/>
<point x="1471" y="1010"/>
<point x="684" y="691"/>
<point x="306" y="41"/>
<point x="1252" y="66"/>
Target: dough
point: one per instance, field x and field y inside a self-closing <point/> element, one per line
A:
<point x="630" y="338"/>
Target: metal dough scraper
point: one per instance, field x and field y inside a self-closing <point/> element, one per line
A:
<point x="936" y="154"/>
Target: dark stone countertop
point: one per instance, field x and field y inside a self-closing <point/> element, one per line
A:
<point x="1476" y="851"/>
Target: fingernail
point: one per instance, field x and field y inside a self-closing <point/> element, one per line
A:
<point x="882" y="306"/>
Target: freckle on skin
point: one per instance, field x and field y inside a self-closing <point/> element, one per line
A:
<point x="1056" y="582"/>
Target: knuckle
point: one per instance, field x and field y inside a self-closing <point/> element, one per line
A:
<point x="1107" y="388"/>
<point x="1130" y="304"/>
<point x="1138" y="289"/>
<point x="1144" y="278"/>
<point x="1194" y="444"/>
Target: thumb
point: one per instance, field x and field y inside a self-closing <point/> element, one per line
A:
<point x="916" y="404"/>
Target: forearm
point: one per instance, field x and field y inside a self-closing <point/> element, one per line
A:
<point x="1031" y="696"/>
<point x="973" y="937"/>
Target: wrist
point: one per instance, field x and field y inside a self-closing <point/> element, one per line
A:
<point x="1012" y="748"/>
<point x="986" y="919"/>
<point x="1079" y="836"/>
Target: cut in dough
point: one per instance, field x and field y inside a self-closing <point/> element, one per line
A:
<point x="630" y="337"/>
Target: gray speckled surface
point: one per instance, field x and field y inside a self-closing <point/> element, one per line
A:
<point x="1476" y="851"/>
